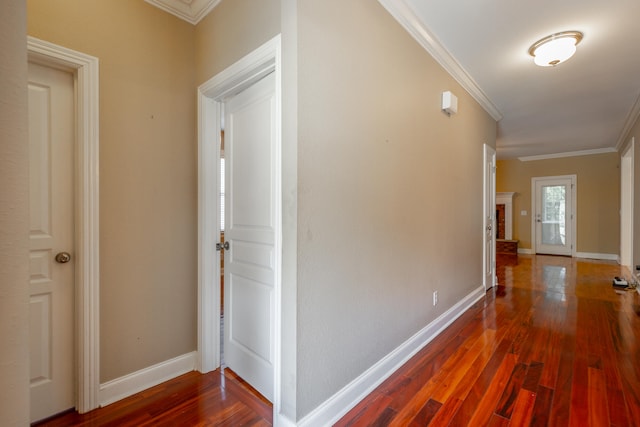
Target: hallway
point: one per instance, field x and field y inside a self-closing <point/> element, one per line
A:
<point x="554" y="344"/>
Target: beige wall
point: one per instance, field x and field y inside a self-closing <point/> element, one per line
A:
<point x="14" y="217"/>
<point x="598" y="182"/>
<point x="232" y="30"/>
<point x="148" y="179"/>
<point x="390" y="192"/>
<point x="635" y="134"/>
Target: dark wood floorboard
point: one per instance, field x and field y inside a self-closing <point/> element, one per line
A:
<point x="192" y="399"/>
<point x="553" y="345"/>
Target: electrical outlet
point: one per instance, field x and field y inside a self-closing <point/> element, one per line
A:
<point x="435" y="297"/>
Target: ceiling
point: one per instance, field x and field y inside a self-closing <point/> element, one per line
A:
<point x="586" y="104"/>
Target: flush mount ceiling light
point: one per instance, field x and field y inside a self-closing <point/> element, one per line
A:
<point x="556" y="48"/>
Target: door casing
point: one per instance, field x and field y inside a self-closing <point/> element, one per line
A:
<point x="489" y="217"/>
<point x="211" y="96"/>
<point x="86" y="195"/>
<point x="626" y="206"/>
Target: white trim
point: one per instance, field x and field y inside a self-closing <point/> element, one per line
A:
<point x="591" y="255"/>
<point x="334" y="408"/>
<point x="506" y="199"/>
<point x="632" y="118"/>
<point x="192" y="11"/>
<point x="208" y="232"/>
<point x="574" y="210"/>
<point x="130" y="384"/>
<point x="525" y="251"/>
<point x="407" y="17"/>
<point x="568" y="154"/>
<point x="627" y="192"/>
<point x="281" y="420"/>
<point x="85" y="69"/>
<point x="211" y="96"/>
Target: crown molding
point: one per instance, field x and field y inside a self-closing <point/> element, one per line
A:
<point x="632" y="118"/>
<point x="568" y="154"/>
<point x="191" y="11"/>
<point x="414" y="26"/>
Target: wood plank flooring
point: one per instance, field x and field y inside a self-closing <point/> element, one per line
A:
<point x="192" y="399"/>
<point x="554" y="345"/>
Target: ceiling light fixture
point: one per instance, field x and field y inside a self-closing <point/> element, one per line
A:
<point x="556" y="48"/>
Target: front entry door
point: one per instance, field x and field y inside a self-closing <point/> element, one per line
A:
<point x="51" y="308"/>
<point x="554" y="216"/>
<point x="250" y="230"/>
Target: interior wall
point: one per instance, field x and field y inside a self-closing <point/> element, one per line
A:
<point x="14" y="217"/>
<point x="598" y="182"/>
<point x="390" y="192"/>
<point x="232" y="30"/>
<point x="148" y="182"/>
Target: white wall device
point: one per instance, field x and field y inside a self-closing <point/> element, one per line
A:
<point x="449" y="103"/>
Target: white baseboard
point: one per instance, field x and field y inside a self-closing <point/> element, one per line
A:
<point x="128" y="385"/>
<point x="608" y="257"/>
<point x="590" y="255"/>
<point x="344" y="400"/>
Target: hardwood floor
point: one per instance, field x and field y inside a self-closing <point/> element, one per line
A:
<point x="554" y="345"/>
<point x="192" y="399"/>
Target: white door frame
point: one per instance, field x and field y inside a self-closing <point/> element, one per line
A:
<point x="573" y="219"/>
<point x="626" y="206"/>
<point x="489" y="190"/>
<point x="211" y="96"/>
<point x="86" y="199"/>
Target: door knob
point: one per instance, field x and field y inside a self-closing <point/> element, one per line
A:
<point x="63" y="257"/>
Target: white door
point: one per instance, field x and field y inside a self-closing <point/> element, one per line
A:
<point x="489" y="217"/>
<point x="51" y="144"/>
<point x="250" y="230"/>
<point x="554" y="217"/>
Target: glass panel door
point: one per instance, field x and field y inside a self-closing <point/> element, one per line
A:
<point x="552" y="205"/>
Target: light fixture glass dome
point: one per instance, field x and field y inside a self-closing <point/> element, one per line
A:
<point x="556" y="48"/>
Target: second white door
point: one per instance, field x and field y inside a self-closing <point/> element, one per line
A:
<point x="554" y="216"/>
<point x="51" y="308"/>
<point x="250" y="230"/>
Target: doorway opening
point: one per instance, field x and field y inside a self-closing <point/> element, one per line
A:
<point x="218" y="99"/>
<point x="489" y="218"/>
<point x="87" y="277"/>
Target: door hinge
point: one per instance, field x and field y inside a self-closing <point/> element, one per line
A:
<point x="221" y="246"/>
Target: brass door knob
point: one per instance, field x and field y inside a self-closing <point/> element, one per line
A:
<point x="63" y="257"/>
